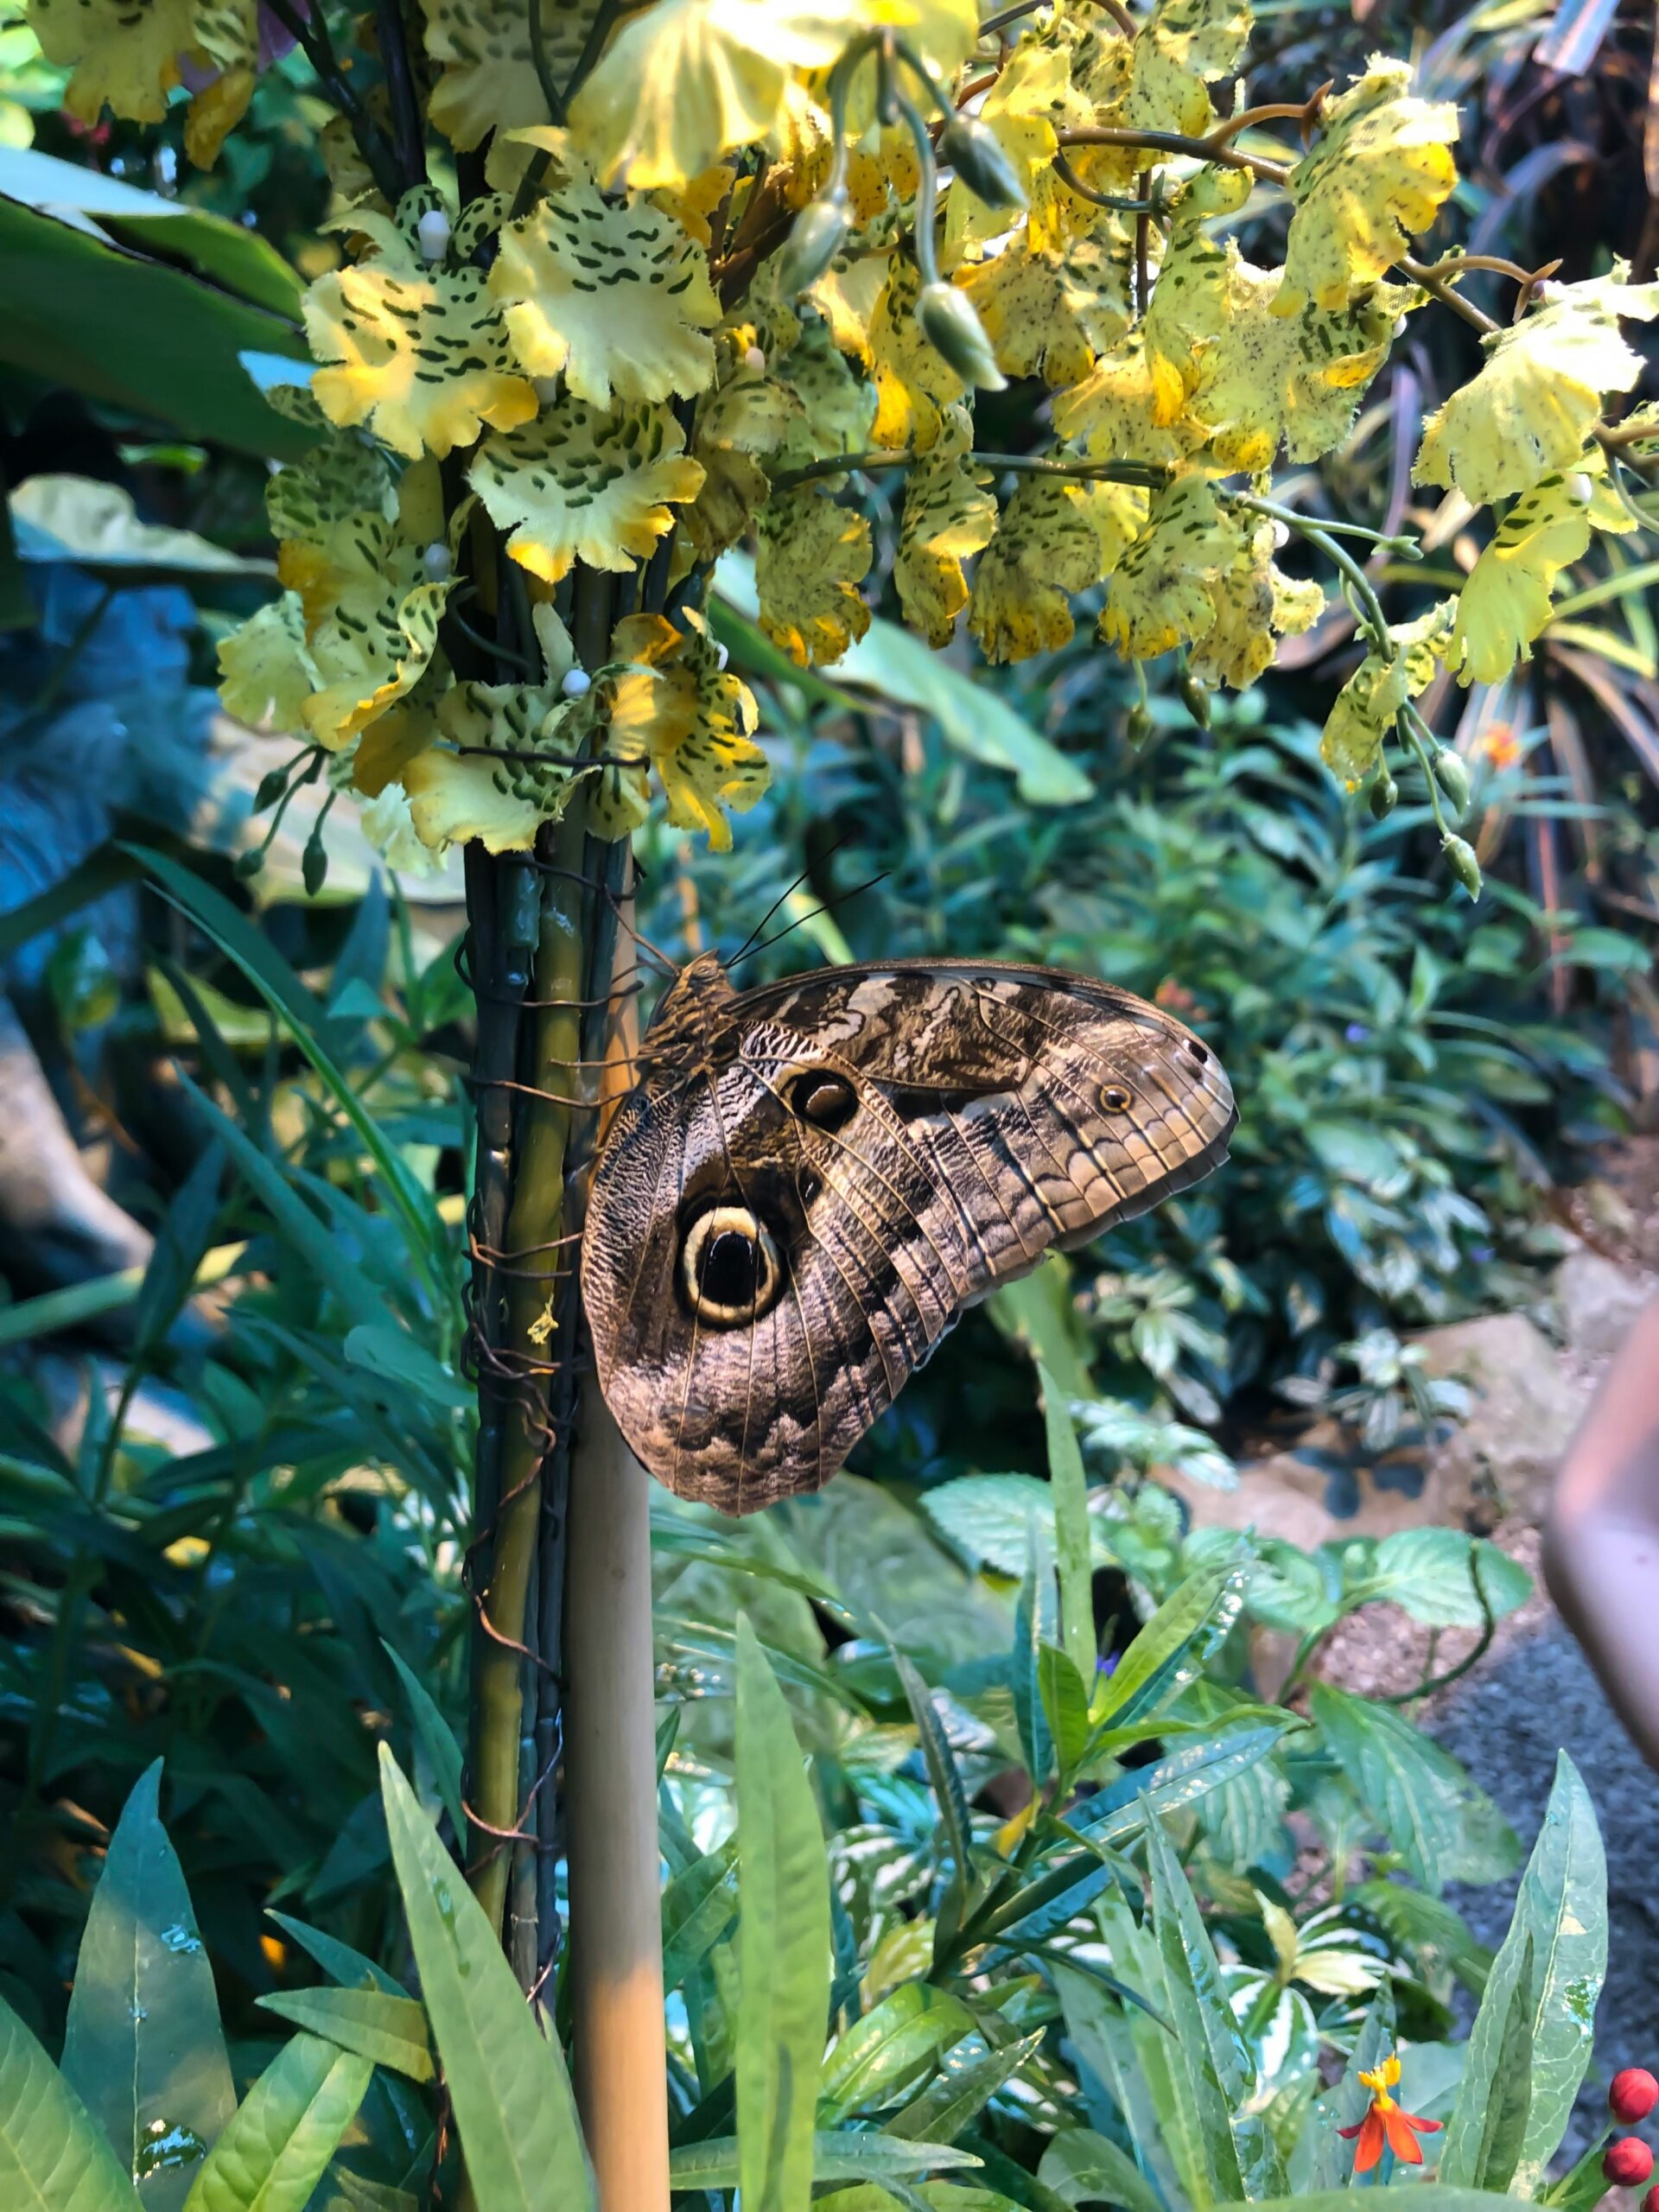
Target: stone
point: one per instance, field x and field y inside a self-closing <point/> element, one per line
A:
<point x="1499" y="1462"/>
<point x="1597" y="1300"/>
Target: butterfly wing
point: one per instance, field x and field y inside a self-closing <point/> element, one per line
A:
<point x="797" y="1203"/>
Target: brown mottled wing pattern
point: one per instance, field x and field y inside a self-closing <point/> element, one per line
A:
<point x="893" y="1142"/>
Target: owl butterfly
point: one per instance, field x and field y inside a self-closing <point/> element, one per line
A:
<point x="812" y="1180"/>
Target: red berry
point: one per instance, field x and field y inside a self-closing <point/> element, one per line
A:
<point x="1628" y="2163"/>
<point x="1633" y="2096"/>
<point x="1650" y="2202"/>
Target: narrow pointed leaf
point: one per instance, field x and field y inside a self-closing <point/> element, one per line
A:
<point x="1241" y="2156"/>
<point x="1171" y="1650"/>
<point x="1085" y="2168"/>
<point x="958" y="2094"/>
<point x="1032" y="1615"/>
<point x="53" y="2157"/>
<point x="1560" y="1911"/>
<point x="506" y="2079"/>
<point x="338" y="1960"/>
<point x="390" y="2030"/>
<point x="784" y="1943"/>
<point x="436" y="1736"/>
<point x="836" y="2156"/>
<point x="945" y="1778"/>
<point x="143" y="2048"/>
<point x="699" y="1907"/>
<point x="1072" y="1551"/>
<point x="881" y="2054"/>
<point x="273" y="2153"/>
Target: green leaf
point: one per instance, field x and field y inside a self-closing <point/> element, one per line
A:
<point x="104" y="869"/>
<point x="1085" y="2168"/>
<point x="783" y="1944"/>
<point x="143" y="2048"/>
<point x="834" y="2156"/>
<point x="1350" y="2101"/>
<point x="286" y="995"/>
<point x="945" y="1778"/>
<point x="338" y="1960"/>
<point x="1071" y="1540"/>
<point x="52" y="2157"/>
<point x="1032" y="1615"/>
<point x="960" y="2091"/>
<point x="972" y="718"/>
<point x="436" y="1737"/>
<point x="1551" y="1964"/>
<point x="356" y="2194"/>
<point x="397" y="1357"/>
<point x="1065" y="1706"/>
<point x="390" y="2030"/>
<point x="1583" y="2186"/>
<point x="699" y="1909"/>
<point x="138" y="334"/>
<point x="1240" y="2156"/>
<point x="881" y="2054"/>
<point x="1428" y="1573"/>
<point x="506" y="2079"/>
<point x="1036" y="1313"/>
<point x="272" y="2154"/>
<point x="1170" y="1651"/>
<point x="1444" y="1827"/>
<point x="180" y="1247"/>
<point x="309" y="1237"/>
<point x="985" y="1519"/>
<point x="1132" y="2058"/>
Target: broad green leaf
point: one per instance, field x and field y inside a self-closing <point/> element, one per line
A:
<point x="1071" y="1540"/>
<point x="1086" y="2168"/>
<point x="506" y="2079"/>
<point x="835" y="2157"/>
<point x="390" y="2030"/>
<point x="355" y="2194"/>
<point x="436" y="1736"/>
<point x="1503" y="2125"/>
<point x="1171" y="1650"/>
<point x="783" y="1944"/>
<point x="1560" y="1924"/>
<point x="143" y="2048"/>
<point x="272" y="2154"/>
<point x="397" y="1357"/>
<point x="1240" y="2156"/>
<point x="338" y="1960"/>
<point x="138" y="334"/>
<point x="1444" y="1827"/>
<point x="956" y="2096"/>
<point x="1429" y="1574"/>
<point x="972" y="718"/>
<point x="881" y="2054"/>
<point x="985" y="1519"/>
<point x="52" y="2157"/>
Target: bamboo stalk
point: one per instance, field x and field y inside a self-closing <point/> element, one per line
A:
<point x="534" y="1222"/>
<point x="616" y="1956"/>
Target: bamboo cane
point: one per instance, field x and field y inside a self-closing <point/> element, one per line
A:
<point x="616" y="1953"/>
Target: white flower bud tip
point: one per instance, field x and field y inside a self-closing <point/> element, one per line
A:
<point x="433" y="232"/>
<point x="1580" y="487"/>
<point x="755" y="359"/>
<point x="574" y="681"/>
<point x="721" y="657"/>
<point x="439" y="564"/>
<point x="547" y="389"/>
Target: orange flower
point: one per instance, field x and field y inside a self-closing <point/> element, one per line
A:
<point x="1387" y="2122"/>
<point x="1501" y="746"/>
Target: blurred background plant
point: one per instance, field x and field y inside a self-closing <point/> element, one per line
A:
<point x="236" y="1430"/>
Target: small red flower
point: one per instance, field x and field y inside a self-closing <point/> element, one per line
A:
<point x="1389" y="2123"/>
<point x="1628" y="2163"/>
<point x="1633" y="2096"/>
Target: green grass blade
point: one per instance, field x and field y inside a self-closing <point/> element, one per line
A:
<point x="1070" y="1488"/>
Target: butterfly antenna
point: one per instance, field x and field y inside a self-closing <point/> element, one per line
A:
<point x="748" y="944"/>
<point x="800" y="920"/>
